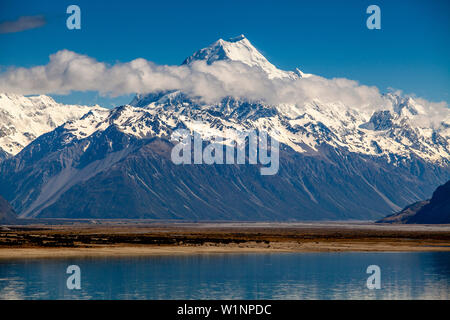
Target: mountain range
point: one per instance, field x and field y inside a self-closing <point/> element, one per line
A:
<point x="337" y="161"/>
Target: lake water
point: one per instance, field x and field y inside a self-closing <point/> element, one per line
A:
<point x="232" y="276"/>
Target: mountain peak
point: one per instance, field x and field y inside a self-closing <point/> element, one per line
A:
<point x="241" y="50"/>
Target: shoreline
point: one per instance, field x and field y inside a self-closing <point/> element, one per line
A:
<point x="245" y="248"/>
<point x="131" y="240"/>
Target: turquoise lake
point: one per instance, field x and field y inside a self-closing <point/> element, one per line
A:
<point x="422" y="275"/>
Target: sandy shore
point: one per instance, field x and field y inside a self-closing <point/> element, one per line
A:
<point x="38" y="241"/>
<point x="130" y="251"/>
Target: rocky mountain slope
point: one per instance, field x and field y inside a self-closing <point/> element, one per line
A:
<point x="7" y="214"/>
<point x="433" y="211"/>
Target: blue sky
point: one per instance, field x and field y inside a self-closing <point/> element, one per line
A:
<point x="411" y="52"/>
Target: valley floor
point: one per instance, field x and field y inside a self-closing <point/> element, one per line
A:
<point x="139" y="238"/>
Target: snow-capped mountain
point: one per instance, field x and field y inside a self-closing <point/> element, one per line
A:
<point x="23" y="119"/>
<point x="391" y="133"/>
<point x="337" y="161"/>
<point x="241" y="50"/>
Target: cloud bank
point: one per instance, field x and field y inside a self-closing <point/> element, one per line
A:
<point x="22" y="24"/>
<point x="69" y="71"/>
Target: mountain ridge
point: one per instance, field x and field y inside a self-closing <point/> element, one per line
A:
<point x="433" y="211"/>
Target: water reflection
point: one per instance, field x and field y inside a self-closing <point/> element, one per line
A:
<point x="233" y="276"/>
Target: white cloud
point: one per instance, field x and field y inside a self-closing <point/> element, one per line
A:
<point x="69" y="71"/>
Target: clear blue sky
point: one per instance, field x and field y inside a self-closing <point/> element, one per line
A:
<point x="329" y="38"/>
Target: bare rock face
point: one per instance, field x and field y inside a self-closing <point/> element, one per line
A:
<point x="3" y="155"/>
